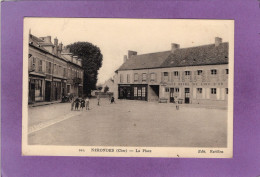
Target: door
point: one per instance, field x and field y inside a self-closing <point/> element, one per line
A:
<point x="48" y="91"/>
<point x="187" y="95"/>
<point x="32" y="91"/>
<point x="172" y="95"/>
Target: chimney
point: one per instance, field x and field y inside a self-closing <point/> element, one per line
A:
<point x="131" y="53"/>
<point x="175" y="47"/>
<point x="218" y="41"/>
<point x="125" y="58"/>
<point x="56" y="41"/>
<point x="59" y="49"/>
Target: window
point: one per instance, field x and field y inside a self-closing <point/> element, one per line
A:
<point x="227" y="71"/>
<point x="213" y="91"/>
<point x="199" y="72"/>
<point x="213" y="72"/>
<point x="167" y="89"/>
<point x="165" y="76"/>
<point x="121" y="78"/>
<point x="176" y="73"/>
<point x="187" y="73"/>
<point x="144" y="77"/>
<point x="55" y="69"/>
<point x="40" y="66"/>
<point x="64" y="72"/>
<point x="49" y="69"/>
<point x="177" y="90"/>
<point x="68" y="88"/>
<point x="226" y="90"/>
<point x="128" y="78"/>
<point x="135" y="91"/>
<point x="143" y="91"/>
<point x="152" y="76"/>
<point x="199" y="90"/>
<point x="136" y="77"/>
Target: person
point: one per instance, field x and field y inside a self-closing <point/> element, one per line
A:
<point x="98" y="99"/>
<point x="82" y="104"/>
<point x="72" y="103"/>
<point x="77" y="104"/>
<point x="177" y="104"/>
<point x="112" y="100"/>
<point x="87" y="103"/>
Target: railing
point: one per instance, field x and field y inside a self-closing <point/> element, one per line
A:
<point x="77" y="80"/>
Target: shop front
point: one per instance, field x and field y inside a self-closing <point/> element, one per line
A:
<point x="132" y="91"/>
<point x="36" y="89"/>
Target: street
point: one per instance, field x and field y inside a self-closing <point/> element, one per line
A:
<point x="128" y="123"/>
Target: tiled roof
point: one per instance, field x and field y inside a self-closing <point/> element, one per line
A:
<point x="201" y="55"/>
<point x="150" y="60"/>
<point x="193" y="56"/>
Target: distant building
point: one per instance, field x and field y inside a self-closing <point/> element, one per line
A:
<point x="48" y="70"/>
<point x="197" y="75"/>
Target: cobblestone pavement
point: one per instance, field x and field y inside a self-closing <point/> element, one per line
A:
<point x="132" y="123"/>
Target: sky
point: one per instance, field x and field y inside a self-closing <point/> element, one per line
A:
<point x="115" y="37"/>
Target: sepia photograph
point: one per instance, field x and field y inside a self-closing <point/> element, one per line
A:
<point x="128" y="87"/>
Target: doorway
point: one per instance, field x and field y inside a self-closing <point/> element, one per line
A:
<point x="187" y="95"/>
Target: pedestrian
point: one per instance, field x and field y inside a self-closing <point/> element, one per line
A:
<point x="82" y="104"/>
<point x="177" y="104"/>
<point x="98" y="99"/>
<point x="77" y="104"/>
<point x="87" y="103"/>
<point x="72" y="103"/>
<point x="112" y="100"/>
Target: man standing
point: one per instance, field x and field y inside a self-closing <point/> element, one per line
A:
<point x="98" y="99"/>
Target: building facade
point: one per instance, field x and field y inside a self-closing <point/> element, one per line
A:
<point x="47" y="69"/>
<point x="195" y="75"/>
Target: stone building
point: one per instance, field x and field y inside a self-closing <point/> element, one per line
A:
<point x="47" y="69"/>
<point x="197" y="75"/>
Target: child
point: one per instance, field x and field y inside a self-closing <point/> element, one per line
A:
<point x="87" y="103"/>
<point x="82" y="104"/>
<point x="72" y="104"/>
<point x="112" y="100"/>
<point x="77" y="104"/>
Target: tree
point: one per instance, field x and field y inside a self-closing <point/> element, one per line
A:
<point x="91" y="62"/>
<point x="106" y="89"/>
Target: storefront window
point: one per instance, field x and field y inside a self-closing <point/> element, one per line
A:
<point x="143" y="91"/>
<point x="135" y="91"/>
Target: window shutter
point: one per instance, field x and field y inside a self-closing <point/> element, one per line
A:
<point x="162" y="77"/>
<point x="140" y="78"/>
<point x="207" y="93"/>
<point x="155" y="77"/>
<point x="218" y="93"/>
<point x="183" y="76"/>
<point x="194" y="93"/>
<point x="203" y="93"/>
<point x="169" y="76"/>
<point x="194" y="75"/>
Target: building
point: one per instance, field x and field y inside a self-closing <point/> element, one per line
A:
<point x="47" y="69"/>
<point x="75" y="73"/>
<point x="197" y="75"/>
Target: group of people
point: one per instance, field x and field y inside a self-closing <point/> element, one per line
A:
<point x="80" y="103"/>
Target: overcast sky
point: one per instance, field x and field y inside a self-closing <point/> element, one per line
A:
<point x="116" y="36"/>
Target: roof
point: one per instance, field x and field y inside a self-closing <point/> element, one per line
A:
<point x="193" y="56"/>
<point x="201" y="55"/>
<point x="150" y="60"/>
<point x="35" y="41"/>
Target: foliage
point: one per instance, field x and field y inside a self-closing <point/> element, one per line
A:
<point x="91" y="62"/>
<point x="106" y="89"/>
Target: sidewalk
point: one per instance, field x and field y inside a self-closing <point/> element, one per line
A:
<point x="42" y="103"/>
